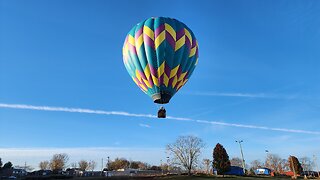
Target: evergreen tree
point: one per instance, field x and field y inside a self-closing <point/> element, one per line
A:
<point x="221" y="159"/>
<point x="7" y="165"/>
<point x="0" y="163"/>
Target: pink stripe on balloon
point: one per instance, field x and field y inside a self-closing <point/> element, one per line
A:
<point x="170" y="40"/>
<point x="188" y="44"/>
<point x="132" y="48"/>
<point x="161" y="80"/>
<point x="180" y="34"/>
<point x="179" y="72"/>
<point x="153" y="71"/>
<point x="139" y="32"/>
<point x="137" y="80"/>
<point x="170" y="81"/>
<point x="142" y="75"/>
<point x="159" y="30"/>
<point x="150" y="81"/>
<point x="194" y="42"/>
<point x="167" y="70"/>
<point x="148" y="41"/>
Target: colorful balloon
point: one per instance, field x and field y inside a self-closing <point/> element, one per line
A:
<point x="160" y="55"/>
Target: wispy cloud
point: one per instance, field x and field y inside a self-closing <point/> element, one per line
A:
<point x="246" y="95"/>
<point x="121" y="113"/>
<point x="145" y="125"/>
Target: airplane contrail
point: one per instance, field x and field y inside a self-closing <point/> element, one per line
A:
<point x="121" y="113"/>
<point x="244" y="95"/>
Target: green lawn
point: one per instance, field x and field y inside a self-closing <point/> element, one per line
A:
<point x="187" y="178"/>
<point x="222" y="178"/>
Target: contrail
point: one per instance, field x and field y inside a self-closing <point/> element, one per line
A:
<point x="75" y="110"/>
<point x="245" y="95"/>
<point x="121" y="113"/>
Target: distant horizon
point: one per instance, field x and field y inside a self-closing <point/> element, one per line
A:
<point x="33" y="156"/>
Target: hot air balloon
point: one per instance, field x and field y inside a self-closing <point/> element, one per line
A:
<point x="160" y="55"/>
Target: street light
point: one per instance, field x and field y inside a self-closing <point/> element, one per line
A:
<point x="108" y="163"/>
<point x="243" y="162"/>
<point x="267" y="159"/>
<point x="108" y="167"/>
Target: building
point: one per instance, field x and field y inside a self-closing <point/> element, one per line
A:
<point x="235" y="170"/>
<point x="263" y="171"/>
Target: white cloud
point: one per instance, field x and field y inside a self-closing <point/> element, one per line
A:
<point x="145" y="125"/>
<point x="121" y="113"/>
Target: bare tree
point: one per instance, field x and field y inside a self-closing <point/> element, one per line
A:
<point x="306" y="163"/>
<point x="92" y="165"/>
<point x="59" y="161"/>
<point x="186" y="151"/>
<point x="44" y="165"/>
<point x="274" y="162"/>
<point x="143" y="165"/>
<point x="284" y="166"/>
<point x="83" y="165"/>
<point x="235" y="161"/>
<point x="119" y="163"/>
<point x="255" y="164"/>
<point x="207" y="165"/>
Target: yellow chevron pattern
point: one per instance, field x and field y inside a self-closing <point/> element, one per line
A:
<point x="188" y="35"/>
<point x="165" y="80"/>
<point x="171" y="31"/>
<point x="173" y="72"/>
<point x="180" y="43"/>
<point x="182" y="76"/>
<point x="175" y="80"/>
<point x="155" y="80"/>
<point x="148" y="32"/>
<point x="161" y="69"/>
<point x="160" y="39"/>
<point x="139" y="42"/>
<point x="131" y="40"/>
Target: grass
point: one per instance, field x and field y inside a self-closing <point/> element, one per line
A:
<point x="201" y="177"/>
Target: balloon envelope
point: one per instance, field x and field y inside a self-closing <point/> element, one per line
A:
<point x="160" y="55"/>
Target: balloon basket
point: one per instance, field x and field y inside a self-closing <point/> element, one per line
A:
<point x="162" y="113"/>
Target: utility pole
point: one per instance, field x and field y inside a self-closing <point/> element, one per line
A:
<point x="101" y="166"/>
<point x="168" y="164"/>
<point x="108" y="163"/>
<point x="108" y="167"/>
<point x="243" y="162"/>
<point x="267" y="159"/>
<point x="315" y="162"/>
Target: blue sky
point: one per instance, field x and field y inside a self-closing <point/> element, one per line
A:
<point x="258" y="65"/>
